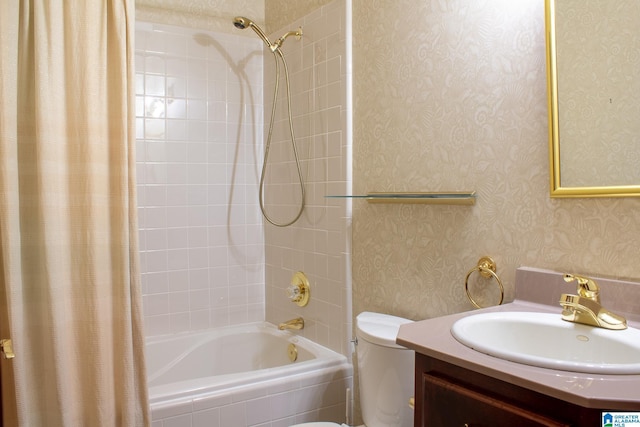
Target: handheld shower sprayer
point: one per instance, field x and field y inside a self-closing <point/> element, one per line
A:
<point x="243" y="23"/>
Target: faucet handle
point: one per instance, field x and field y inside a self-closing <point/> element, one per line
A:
<point x="587" y="288"/>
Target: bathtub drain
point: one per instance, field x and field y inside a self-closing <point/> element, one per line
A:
<point x="292" y="351"/>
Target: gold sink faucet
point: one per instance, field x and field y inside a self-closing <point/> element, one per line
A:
<point x="585" y="307"/>
<point x="297" y="323"/>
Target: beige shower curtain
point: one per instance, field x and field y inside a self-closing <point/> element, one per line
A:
<point x="69" y="286"/>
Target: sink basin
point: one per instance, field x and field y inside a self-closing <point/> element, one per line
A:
<point x="547" y="341"/>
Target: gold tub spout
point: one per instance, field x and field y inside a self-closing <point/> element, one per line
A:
<point x="297" y="323"/>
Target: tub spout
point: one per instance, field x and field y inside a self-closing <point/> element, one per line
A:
<point x="297" y="323"/>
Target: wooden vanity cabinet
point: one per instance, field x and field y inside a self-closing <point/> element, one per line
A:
<point x="451" y="396"/>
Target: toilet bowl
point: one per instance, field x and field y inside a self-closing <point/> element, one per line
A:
<point x="385" y="373"/>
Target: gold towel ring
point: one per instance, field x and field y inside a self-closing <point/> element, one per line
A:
<point x="487" y="268"/>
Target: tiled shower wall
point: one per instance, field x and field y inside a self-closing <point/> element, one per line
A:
<point x="207" y="259"/>
<point x="199" y="114"/>
<point x="319" y="242"/>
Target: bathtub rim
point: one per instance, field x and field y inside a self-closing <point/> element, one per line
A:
<point x="326" y="360"/>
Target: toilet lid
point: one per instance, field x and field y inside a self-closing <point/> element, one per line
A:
<point x="380" y="329"/>
<point x="317" y="424"/>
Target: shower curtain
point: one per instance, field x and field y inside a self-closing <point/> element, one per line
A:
<point x="70" y="296"/>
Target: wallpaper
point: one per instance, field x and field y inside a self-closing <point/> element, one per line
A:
<point x="451" y="95"/>
<point x="214" y="15"/>
<point x="598" y="57"/>
<point x="279" y="14"/>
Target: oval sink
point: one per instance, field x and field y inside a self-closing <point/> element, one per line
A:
<point x="547" y="341"/>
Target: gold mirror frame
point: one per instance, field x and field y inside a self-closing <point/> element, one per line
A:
<point x="557" y="190"/>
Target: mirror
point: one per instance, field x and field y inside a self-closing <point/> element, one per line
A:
<point x="593" y="67"/>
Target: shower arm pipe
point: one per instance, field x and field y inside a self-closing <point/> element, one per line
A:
<point x="276" y="46"/>
<point x="293" y="143"/>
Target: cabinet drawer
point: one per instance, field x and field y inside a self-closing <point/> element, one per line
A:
<point x="447" y="404"/>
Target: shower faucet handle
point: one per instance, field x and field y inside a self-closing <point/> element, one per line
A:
<point x="294" y="293"/>
<point x="299" y="291"/>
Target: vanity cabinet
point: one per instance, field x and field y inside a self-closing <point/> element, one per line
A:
<point x="450" y="396"/>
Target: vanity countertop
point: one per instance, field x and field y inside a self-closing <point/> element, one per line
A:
<point x="432" y="337"/>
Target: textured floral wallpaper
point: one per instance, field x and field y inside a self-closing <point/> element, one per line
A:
<point x="451" y="95"/>
<point x="214" y="14"/>
<point x="211" y="15"/>
<point x="599" y="79"/>
<point x="279" y="13"/>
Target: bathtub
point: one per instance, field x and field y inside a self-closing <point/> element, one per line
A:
<point x="243" y="376"/>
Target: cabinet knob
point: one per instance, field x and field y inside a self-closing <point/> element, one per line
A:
<point x="412" y="403"/>
<point x="6" y="348"/>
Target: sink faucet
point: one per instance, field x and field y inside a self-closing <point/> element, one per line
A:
<point x="585" y="307"/>
<point x="297" y="323"/>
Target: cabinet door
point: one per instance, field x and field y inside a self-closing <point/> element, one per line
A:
<point x="447" y="404"/>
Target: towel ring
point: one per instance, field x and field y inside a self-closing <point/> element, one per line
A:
<point x="486" y="268"/>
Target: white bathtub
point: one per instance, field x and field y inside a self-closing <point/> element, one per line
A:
<point x="242" y="376"/>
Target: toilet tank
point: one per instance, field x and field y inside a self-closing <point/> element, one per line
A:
<point x="385" y="371"/>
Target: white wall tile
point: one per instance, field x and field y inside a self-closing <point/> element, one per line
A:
<point x="233" y="415"/>
<point x="185" y="168"/>
<point x="179" y="302"/>
<point x="207" y="418"/>
<point x="258" y="411"/>
<point x="200" y="319"/>
<point x="179" y="322"/>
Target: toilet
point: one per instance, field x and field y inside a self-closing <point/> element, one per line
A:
<point x="385" y="371"/>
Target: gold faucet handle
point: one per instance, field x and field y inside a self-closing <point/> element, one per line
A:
<point x="587" y="288"/>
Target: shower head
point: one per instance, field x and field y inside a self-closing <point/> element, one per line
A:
<point x="242" y="23"/>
